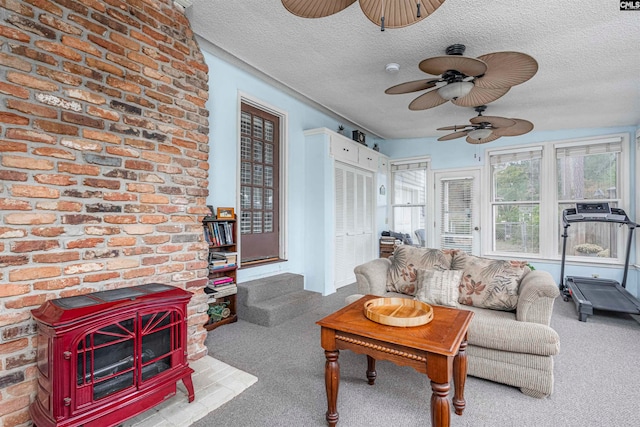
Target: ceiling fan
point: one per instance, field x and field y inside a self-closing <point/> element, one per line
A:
<point x="466" y="81"/>
<point x="385" y="13"/>
<point x="487" y="128"/>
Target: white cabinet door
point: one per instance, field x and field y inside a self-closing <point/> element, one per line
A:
<point x="343" y="149"/>
<point x="347" y="151"/>
<point x="367" y="158"/>
<point x="354" y="221"/>
<point x="383" y="164"/>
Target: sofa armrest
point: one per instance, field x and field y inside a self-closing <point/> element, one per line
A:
<point x="536" y="294"/>
<point x="490" y="329"/>
<point x="371" y="276"/>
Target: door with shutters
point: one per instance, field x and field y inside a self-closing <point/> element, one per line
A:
<point x="354" y="221"/>
<point x="457" y="224"/>
<point x="259" y="185"/>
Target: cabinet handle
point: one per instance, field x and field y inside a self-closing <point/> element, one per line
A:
<point x="67" y="355"/>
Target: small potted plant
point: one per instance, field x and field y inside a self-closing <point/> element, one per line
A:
<point x="588" y="249"/>
<point x="341" y="130"/>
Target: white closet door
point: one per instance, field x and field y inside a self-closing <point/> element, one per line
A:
<point x="354" y="219"/>
<point x="340" y="262"/>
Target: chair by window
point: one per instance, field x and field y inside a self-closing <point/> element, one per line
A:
<point x="422" y="236"/>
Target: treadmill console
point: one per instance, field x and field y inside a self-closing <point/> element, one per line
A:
<point x="596" y="211"/>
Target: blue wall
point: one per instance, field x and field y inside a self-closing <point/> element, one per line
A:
<point x="228" y="82"/>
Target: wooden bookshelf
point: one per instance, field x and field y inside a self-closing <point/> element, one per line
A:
<point x="221" y="235"/>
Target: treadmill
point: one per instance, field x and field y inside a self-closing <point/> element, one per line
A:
<point x="590" y="293"/>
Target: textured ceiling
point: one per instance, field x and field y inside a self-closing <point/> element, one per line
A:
<point x="587" y="52"/>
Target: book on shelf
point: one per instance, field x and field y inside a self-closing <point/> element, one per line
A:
<point x="221" y="291"/>
<point x="222" y="259"/>
<point x="219" y="233"/>
<point x="223" y="286"/>
<point x="207" y="236"/>
<point x="222" y="254"/>
<point x="217" y="281"/>
<point x="220" y="265"/>
<point x="226" y="292"/>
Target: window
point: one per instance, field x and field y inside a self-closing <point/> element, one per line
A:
<point x="409" y="199"/>
<point x="259" y="185"/>
<point x="589" y="173"/>
<point x="531" y="186"/>
<point x="515" y="200"/>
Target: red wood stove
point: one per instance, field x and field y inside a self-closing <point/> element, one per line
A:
<point x="109" y="356"/>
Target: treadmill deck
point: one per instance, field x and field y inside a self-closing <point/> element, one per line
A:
<point x="603" y="294"/>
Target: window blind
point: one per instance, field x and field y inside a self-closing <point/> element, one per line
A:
<point x="455" y="214"/>
<point x="585" y="150"/>
<point x="408" y="166"/>
<point x="515" y="156"/>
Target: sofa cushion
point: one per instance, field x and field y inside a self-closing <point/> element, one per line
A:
<point x="489" y="283"/>
<point x="406" y="260"/>
<point x="438" y="287"/>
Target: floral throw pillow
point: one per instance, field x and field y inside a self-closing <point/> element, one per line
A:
<point x="439" y="287"/>
<point x="402" y="276"/>
<point x="489" y="283"/>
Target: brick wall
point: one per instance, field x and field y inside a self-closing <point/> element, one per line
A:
<point x="103" y="164"/>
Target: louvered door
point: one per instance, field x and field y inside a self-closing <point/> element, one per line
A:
<point x="354" y="221"/>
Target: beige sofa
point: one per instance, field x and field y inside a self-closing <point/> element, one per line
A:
<point x="513" y="347"/>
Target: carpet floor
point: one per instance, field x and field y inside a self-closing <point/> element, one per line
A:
<point x="596" y="378"/>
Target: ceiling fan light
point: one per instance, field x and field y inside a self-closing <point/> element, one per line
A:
<point x="455" y="90"/>
<point x="479" y="134"/>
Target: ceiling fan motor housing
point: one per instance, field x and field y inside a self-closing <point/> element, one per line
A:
<point x="456" y="49"/>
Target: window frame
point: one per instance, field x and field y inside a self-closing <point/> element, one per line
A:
<point x="550" y="222"/>
<point x="429" y="194"/>
<point x="518" y="154"/>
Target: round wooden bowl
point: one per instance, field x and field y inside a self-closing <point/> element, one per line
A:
<point x="401" y="312"/>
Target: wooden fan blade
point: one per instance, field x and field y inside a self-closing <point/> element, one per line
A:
<point x="454" y="127"/>
<point x="506" y="69"/>
<point x="490" y="138"/>
<point x="519" y="128"/>
<point x="314" y="8"/>
<point x="439" y="64"/>
<point x="496" y="122"/>
<point x="398" y="13"/>
<point x="427" y="100"/>
<point x="480" y="96"/>
<point x="414" y="86"/>
<point x="455" y="135"/>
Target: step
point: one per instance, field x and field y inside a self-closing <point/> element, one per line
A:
<point x="258" y="290"/>
<point x="274" y="311"/>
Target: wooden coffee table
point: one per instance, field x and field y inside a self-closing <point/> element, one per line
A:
<point x="436" y="349"/>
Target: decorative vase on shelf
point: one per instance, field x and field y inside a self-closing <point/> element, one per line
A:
<point x="375" y="147"/>
<point x="341" y="130"/>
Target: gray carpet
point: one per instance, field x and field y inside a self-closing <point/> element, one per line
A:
<point x="597" y="379"/>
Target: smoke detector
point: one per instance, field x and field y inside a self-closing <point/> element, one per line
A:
<point x="392" y="67"/>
